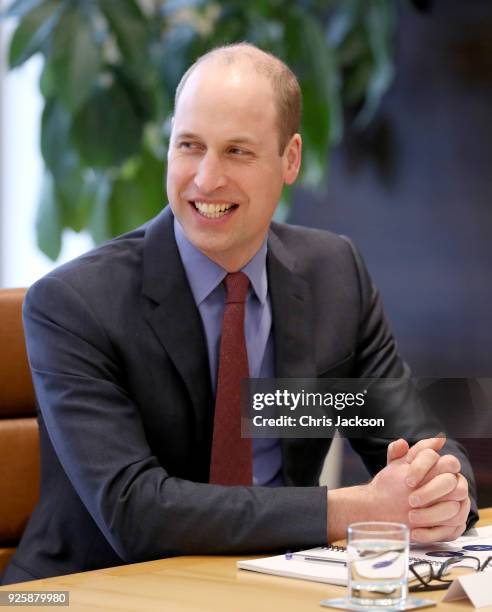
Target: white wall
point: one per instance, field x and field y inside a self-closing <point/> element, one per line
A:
<point x="21" y="262"/>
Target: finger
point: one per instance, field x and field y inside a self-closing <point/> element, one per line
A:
<point x="456" y="525"/>
<point x="446" y="463"/>
<point x="434" y="443"/>
<point x="460" y="492"/>
<point x="457" y="521"/>
<point x="462" y="514"/>
<point x="443" y="533"/>
<point x="446" y="532"/>
<point x="396" y="450"/>
<point x="434" y="490"/>
<point x="438" y="514"/>
<point x="458" y="531"/>
<point x="420" y="466"/>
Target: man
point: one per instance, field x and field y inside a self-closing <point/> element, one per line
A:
<point x="124" y="348"/>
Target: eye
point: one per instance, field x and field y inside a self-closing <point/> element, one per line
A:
<point x="188" y="145"/>
<point x="238" y="151"/>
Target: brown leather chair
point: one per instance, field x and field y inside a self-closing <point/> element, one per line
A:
<point x="19" y="439"/>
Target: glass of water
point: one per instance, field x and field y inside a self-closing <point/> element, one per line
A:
<point x="378" y="563"/>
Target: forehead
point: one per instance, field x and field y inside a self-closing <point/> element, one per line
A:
<point x="221" y="98"/>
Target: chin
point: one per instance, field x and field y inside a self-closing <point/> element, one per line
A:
<point x="211" y="248"/>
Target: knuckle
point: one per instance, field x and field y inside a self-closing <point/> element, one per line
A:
<point x="450" y="481"/>
<point x="453" y="507"/>
<point x="461" y="515"/>
<point x="418" y="517"/>
<point x="463" y="483"/>
<point x="451" y="463"/>
<point x="448" y="535"/>
<point x="457" y="531"/>
<point x="420" y="535"/>
<point x="462" y="491"/>
<point x="430" y="454"/>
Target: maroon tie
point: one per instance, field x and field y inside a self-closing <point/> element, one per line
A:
<point x="231" y="462"/>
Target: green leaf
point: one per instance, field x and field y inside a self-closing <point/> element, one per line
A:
<point x="132" y="35"/>
<point x="380" y="25"/>
<point x="354" y="49"/>
<point x="136" y="200"/>
<point x="315" y="130"/>
<point x="170" y="7"/>
<point x="74" y="58"/>
<point x="55" y="135"/>
<point x="79" y="193"/>
<point x="73" y="184"/>
<point x="19" y="8"/>
<point x="47" y="82"/>
<point x="108" y="128"/>
<point x="174" y="54"/>
<point x="33" y="31"/>
<point x="356" y="81"/>
<point x="316" y="69"/>
<point x="342" y="21"/>
<point x="99" y="223"/>
<point x="73" y="194"/>
<point x="48" y="223"/>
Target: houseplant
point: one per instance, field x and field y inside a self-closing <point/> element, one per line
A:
<point x="111" y="68"/>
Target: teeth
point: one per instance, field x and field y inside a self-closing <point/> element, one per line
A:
<point x="212" y="211"/>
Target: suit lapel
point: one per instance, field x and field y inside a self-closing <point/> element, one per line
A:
<point x="294" y="335"/>
<point x="291" y="313"/>
<point x="175" y="318"/>
<point x="165" y="283"/>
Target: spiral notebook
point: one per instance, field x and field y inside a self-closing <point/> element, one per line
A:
<point x="296" y="565"/>
<point x="338" y="554"/>
<point x="324" y="564"/>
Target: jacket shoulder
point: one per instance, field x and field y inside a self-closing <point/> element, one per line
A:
<point x="114" y="261"/>
<point x="310" y="246"/>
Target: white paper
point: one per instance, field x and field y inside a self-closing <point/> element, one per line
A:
<point x="332" y="573"/>
<point x="479" y="545"/>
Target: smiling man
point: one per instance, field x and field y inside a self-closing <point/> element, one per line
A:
<point x="140" y="443"/>
<point x="231" y="153"/>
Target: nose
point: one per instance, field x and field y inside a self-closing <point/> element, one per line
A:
<point x="210" y="173"/>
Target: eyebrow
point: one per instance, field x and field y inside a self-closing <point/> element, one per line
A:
<point x="243" y="140"/>
<point x="239" y="139"/>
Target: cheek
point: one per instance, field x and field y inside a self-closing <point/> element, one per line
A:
<point x="179" y="173"/>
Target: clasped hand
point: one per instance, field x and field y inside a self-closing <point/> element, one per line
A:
<point x="423" y="489"/>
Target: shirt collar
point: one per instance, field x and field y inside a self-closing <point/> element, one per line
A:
<point x="204" y="275"/>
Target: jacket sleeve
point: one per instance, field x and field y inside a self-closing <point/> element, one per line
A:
<point x="96" y="430"/>
<point x="377" y="357"/>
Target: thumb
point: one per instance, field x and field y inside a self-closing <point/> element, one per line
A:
<point x="434" y="443"/>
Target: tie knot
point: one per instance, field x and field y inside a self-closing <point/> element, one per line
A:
<point x="237" y="285"/>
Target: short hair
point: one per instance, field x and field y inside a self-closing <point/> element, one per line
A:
<point x="285" y="86"/>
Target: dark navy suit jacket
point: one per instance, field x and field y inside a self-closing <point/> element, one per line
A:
<point x="121" y="374"/>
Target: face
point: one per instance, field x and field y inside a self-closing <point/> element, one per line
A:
<point x="225" y="174"/>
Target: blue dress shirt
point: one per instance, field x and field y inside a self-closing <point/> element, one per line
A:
<point x="205" y="278"/>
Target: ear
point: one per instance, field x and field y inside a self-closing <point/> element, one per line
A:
<point x="292" y="159"/>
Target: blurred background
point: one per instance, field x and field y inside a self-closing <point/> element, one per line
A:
<point x="397" y="132"/>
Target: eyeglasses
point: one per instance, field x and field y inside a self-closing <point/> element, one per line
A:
<point x="425" y="572"/>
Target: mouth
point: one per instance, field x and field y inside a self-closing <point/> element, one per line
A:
<point x="212" y="210"/>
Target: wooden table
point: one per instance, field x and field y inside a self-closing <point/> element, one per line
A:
<point x="204" y="584"/>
